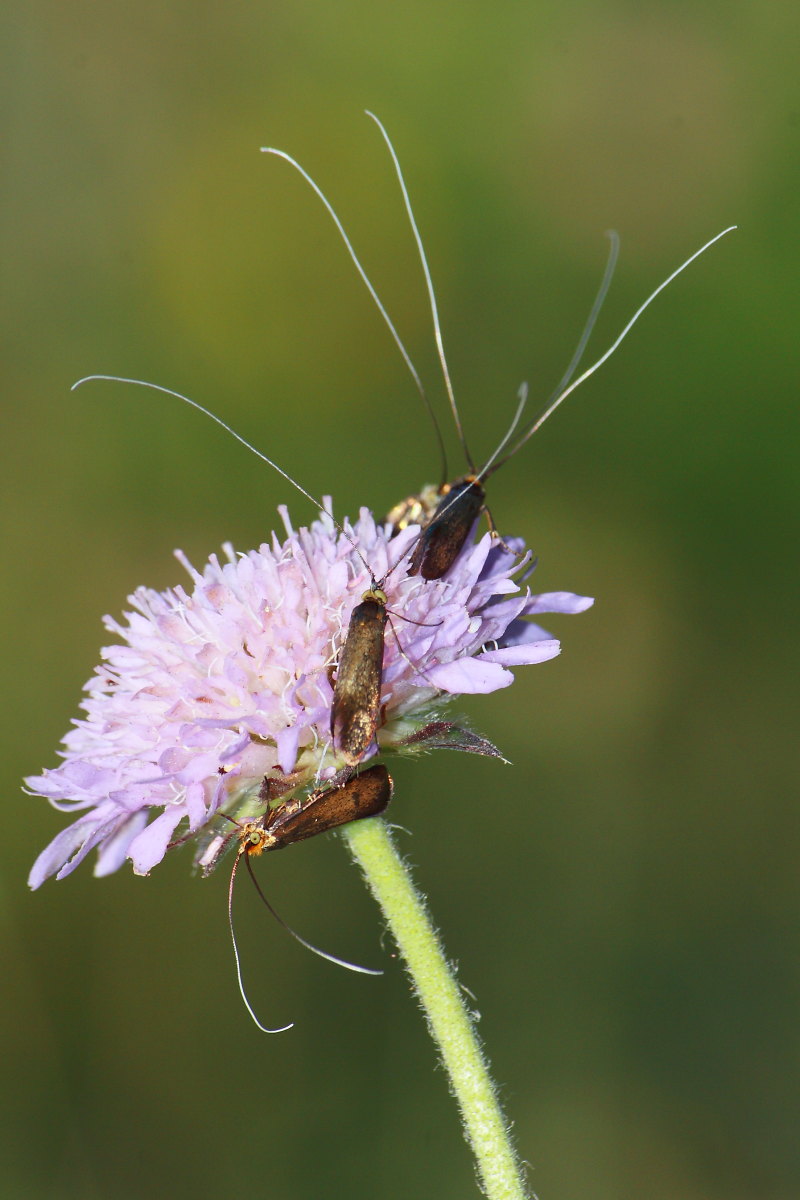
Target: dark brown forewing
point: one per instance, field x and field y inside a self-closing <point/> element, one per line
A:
<point x="364" y="795"/>
<point x="443" y="538"/>
<point x="355" y="713"/>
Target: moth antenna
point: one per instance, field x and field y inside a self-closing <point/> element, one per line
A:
<point x="561" y="397"/>
<point x="437" y="330"/>
<point x="378" y="303"/>
<point x="522" y="396"/>
<point x="157" y="387"/>
<point x="479" y="475"/>
<point x="591" y="320"/>
<point x="418" y="670"/>
<point x="454" y="499"/>
<point x="332" y="958"/>
<point x="608" y="274"/>
<point x="242" y="992"/>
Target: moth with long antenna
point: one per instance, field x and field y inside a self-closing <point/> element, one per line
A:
<point x="462" y="500"/>
<point x="420" y="508"/>
<point x="356" y="709"/>
<point x="365" y="795"/>
<point x="355" y="713"/>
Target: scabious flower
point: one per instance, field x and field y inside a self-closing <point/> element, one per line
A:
<point x="213" y="688"/>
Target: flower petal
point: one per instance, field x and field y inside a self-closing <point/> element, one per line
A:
<point x="524" y="653"/>
<point x="470" y="676"/>
<point x="559" y="602"/>
<point x="114" y="849"/>
<point x="149" y="847"/>
<point x="70" y="847"/>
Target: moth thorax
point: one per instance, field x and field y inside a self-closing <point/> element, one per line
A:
<point x="465" y="481"/>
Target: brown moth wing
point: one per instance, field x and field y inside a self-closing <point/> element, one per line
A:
<point x="365" y="795"/>
<point x="355" y="713"/>
<point x="443" y="538"/>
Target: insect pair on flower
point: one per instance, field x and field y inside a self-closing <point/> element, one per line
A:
<point x="245" y="708"/>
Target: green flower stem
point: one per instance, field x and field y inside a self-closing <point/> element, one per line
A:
<point x="405" y="912"/>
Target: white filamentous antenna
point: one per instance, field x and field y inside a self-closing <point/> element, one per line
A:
<point x="437" y="329"/>
<point x="591" y="320"/>
<point x="157" y="387"/>
<point x="522" y="400"/>
<point x="567" y="391"/>
<point x="331" y="958"/>
<point x="378" y="303"/>
<point x="242" y="993"/>
<point x="493" y="464"/>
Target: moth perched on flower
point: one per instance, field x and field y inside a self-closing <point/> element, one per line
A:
<point x="212" y="689"/>
<point x="241" y="711"/>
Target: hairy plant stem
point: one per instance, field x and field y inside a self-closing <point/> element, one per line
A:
<point x="449" y="1022"/>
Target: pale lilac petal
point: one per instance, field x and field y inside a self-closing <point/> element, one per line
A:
<point x="505" y="611"/>
<point x="559" y="602"/>
<point x="68" y="848"/>
<point x="470" y="676"/>
<point x="195" y="804"/>
<point x="471" y="561"/>
<point x="287" y="741"/>
<point x="113" y="850"/>
<point x="523" y="654"/>
<point x="519" y="632"/>
<point x="149" y="847"/>
<point x="80" y="780"/>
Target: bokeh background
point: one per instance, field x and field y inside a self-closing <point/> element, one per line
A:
<point x="623" y="900"/>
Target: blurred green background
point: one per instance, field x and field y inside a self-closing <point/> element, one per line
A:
<point x="623" y="900"/>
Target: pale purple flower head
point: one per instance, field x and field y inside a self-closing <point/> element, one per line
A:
<point x="211" y="689"/>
